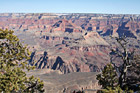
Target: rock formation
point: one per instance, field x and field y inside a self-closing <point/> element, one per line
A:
<point x="71" y="42"/>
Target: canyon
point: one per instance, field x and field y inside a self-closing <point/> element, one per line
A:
<point x="72" y="43"/>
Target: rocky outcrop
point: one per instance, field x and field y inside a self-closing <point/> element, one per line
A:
<point x="71" y="42"/>
<point x="109" y="24"/>
<point x="72" y="52"/>
<point x="65" y="26"/>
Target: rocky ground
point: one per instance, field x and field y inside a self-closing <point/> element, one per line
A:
<point x="56" y="82"/>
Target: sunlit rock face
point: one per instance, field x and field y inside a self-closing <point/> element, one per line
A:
<point x="71" y="42"/>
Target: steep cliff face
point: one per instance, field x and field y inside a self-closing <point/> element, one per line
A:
<point x="71" y="42"/>
<point x="65" y="26"/>
<point x="72" y="52"/>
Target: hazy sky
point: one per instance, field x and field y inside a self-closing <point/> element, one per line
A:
<point x="70" y="6"/>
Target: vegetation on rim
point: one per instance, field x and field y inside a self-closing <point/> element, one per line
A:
<point x="13" y="63"/>
<point x="122" y="78"/>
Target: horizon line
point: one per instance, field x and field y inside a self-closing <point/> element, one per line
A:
<point x="66" y="13"/>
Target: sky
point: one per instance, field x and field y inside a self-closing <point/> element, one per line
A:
<point x="70" y="6"/>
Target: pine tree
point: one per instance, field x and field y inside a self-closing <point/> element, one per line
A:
<point x="133" y="74"/>
<point x="127" y="59"/>
<point x="114" y="90"/>
<point x="121" y="71"/>
<point x="13" y="62"/>
<point x="108" y="78"/>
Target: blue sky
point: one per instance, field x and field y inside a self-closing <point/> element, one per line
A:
<point x="70" y="6"/>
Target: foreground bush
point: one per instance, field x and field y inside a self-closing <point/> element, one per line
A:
<point x="13" y="60"/>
